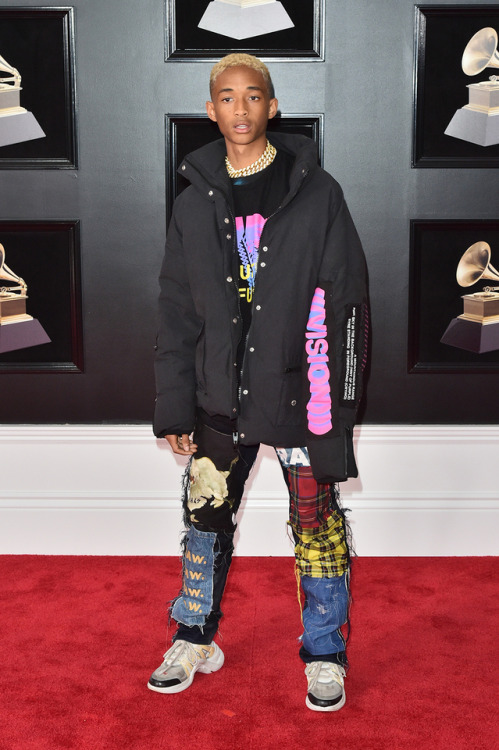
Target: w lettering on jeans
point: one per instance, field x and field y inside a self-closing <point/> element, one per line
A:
<point x="319" y="404"/>
<point x="194" y="603"/>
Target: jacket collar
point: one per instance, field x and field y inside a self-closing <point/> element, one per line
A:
<point x="205" y="167"/>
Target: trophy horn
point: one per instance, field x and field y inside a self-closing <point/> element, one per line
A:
<point x="14" y="79"/>
<point x="481" y="52"/>
<point x="475" y="265"/>
<point x="7" y="274"/>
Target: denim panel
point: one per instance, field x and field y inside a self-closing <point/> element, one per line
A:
<point x="195" y="601"/>
<point x="204" y="634"/>
<point x="325" y="611"/>
<point x="212" y="490"/>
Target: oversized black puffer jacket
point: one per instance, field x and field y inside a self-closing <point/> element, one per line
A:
<point x="302" y="373"/>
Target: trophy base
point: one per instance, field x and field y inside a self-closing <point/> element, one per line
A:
<point x="472" y="335"/>
<point x="13" y="307"/>
<point x="21" y="335"/>
<point x="484" y="96"/>
<point x="19" y="127"/>
<point x="243" y="23"/>
<point x="10" y="99"/>
<point x="475" y="127"/>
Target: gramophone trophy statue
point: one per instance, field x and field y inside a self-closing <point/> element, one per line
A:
<point x="16" y="123"/>
<point x="477" y="329"/>
<point x="242" y="19"/>
<point x="478" y="121"/>
<point x="18" y="330"/>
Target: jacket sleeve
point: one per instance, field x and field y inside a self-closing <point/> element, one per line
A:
<point x="336" y="349"/>
<point x="178" y="331"/>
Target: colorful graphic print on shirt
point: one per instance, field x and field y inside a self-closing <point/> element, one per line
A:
<point x="249" y="231"/>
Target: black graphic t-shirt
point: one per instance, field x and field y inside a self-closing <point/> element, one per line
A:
<point x="256" y="198"/>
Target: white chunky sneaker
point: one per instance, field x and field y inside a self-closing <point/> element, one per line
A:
<point x="181" y="662"/>
<point x="325" y="686"/>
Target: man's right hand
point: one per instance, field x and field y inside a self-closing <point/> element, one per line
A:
<point x="181" y="444"/>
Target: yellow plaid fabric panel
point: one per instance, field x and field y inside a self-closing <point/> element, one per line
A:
<point x="322" y="552"/>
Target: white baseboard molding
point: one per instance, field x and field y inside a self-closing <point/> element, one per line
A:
<point x="114" y="490"/>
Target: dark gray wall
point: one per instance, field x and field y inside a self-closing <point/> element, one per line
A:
<point x="124" y="89"/>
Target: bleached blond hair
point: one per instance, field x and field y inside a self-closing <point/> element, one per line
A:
<point x="241" y="59"/>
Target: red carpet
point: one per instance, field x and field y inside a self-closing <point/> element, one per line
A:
<point x="81" y="635"/>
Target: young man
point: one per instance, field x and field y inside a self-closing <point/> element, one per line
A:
<point x="262" y="339"/>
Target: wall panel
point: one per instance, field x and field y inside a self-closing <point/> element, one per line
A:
<point x="124" y="89"/>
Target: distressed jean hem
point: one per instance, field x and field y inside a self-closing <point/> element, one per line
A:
<point x="340" y="657"/>
<point x="199" y="635"/>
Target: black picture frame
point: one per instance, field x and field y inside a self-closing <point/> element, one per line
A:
<point x="436" y="247"/>
<point x="186" y="132"/>
<point x="46" y="254"/>
<point x="441" y="35"/>
<point x="185" y="41"/>
<point x="39" y="42"/>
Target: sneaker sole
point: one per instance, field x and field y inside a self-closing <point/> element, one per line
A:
<point x="334" y="707"/>
<point x="213" y="665"/>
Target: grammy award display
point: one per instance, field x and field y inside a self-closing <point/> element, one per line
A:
<point x="16" y="123"/>
<point x="477" y="329"/>
<point x="242" y="19"/>
<point x="478" y="121"/>
<point x="18" y="330"/>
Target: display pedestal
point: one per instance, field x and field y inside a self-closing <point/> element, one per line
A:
<point x="475" y="127"/>
<point x="19" y="127"/>
<point x="243" y="23"/>
<point x="21" y="335"/>
<point x="472" y="335"/>
<point x="478" y="121"/>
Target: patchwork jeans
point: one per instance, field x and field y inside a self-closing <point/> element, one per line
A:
<point x="213" y="488"/>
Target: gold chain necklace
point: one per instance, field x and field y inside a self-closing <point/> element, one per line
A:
<point x="265" y="160"/>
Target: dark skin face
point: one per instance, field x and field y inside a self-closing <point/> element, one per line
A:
<point x="241" y="107"/>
